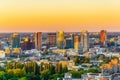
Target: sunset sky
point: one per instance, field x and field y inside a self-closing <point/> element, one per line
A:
<point x="53" y="15"/>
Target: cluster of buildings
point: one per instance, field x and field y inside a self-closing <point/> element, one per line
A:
<point x="19" y="44"/>
<point x="79" y="42"/>
<point x="112" y="67"/>
<point x="85" y="44"/>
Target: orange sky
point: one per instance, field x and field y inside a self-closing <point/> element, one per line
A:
<point x="53" y="15"/>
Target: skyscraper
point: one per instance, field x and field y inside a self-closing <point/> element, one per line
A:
<point x="103" y="37"/>
<point x="27" y="44"/>
<point x="80" y="49"/>
<point x="51" y="39"/>
<point x="72" y="36"/>
<point x="1" y="47"/>
<point x="76" y="42"/>
<point x="69" y="43"/>
<point x="60" y="39"/>
<point x="16" y="43"/>
<point x="15" y="40"/>
<point x="37" y="38"/>
<point x="84" y="40"/>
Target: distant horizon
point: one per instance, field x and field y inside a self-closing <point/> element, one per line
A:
<point x="56" y="31"/>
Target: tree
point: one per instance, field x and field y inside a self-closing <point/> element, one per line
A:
<point x="52" y="69"/>
<point x="57" y="68"/>
<point x="100" y="58"/>
<point x="76" y="74"/>
<point x="60" y="68"/>
<point x="31" y="68"/>
<point x="45" y="74"/>
<point x="86" y="60"/>
<point x="23" y="78"/>
<point x="76" y="59"/>
<point x="65" y="69"/>
<point x="106" y="60"/>
<point x="84" y="66"/>
<point x="2" y="69"/>
<point x="92" y="70"/>
<point x="45" y="51"/>
<point x="2" y="75"/>
<point x="55" y="76"/>
<point x="16" y="72"/>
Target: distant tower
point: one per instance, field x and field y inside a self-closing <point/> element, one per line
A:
<point x="1" y="48"/>
<point x="60" y="39"/>
<point x="15" y="40"/>
<point x="16" y="43"/>
<point x="76" y="42"/>
<point x="103" y="37"/>
<point x="84" y="40"/>
<point x="51" y="39"/>
<point x="80" y="49"/>
<point x="37" y="38"/>
<point x="72" y="36"/>
<point x="27" y="44"/>
<point x="69" y="43"/>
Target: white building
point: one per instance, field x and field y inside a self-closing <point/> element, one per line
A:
<point x="84" y="40"/>
<point x="2" y="54"/>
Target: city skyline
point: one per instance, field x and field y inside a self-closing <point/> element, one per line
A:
<point x="54" y="15"/>
<point x="59" y="39"/>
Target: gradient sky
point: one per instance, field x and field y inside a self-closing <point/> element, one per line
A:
<point x="53" y="15"/>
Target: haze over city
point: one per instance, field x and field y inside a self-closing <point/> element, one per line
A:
<point x="54" y="15"/>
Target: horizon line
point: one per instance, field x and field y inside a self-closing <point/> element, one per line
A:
<point x="51" y="31"/>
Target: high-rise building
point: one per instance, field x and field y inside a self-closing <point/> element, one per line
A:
<point x="69" y="43"/>
<point x="51" y="39"/>
<point x="103" y="37"/>
<point x="60" y="39"/>
<point x="1" y="47"/>
<point x="37" y="38"/>
<point x="72" y="36"/>
<point x="76" y="42"/>
<point x="27" y="44"/>
<point x="15" y="40"/>
<point x="84" y="40"/>
<point x="80" y="49"/>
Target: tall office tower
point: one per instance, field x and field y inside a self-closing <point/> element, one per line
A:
<point x="15" y="40"/>
<point x="1" y="47"/>
<point x="60" y="39"/>
<point x="84" y="40"/>
<point x="103" y="37"/>
<point x="27" y="44"/>
<point x="51" y="39"/>
<point x="72" y="36"/>
<point x="80" y="49"/>
<point x="76" y="42"/>
<point x="69" y="43"/>
<point x="37" y="38"/>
